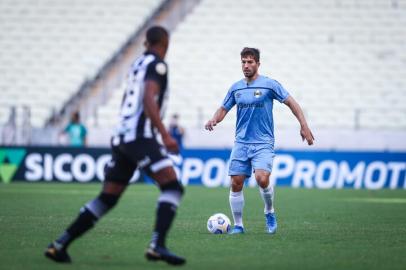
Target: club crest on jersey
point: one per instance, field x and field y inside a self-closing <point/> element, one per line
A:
<point x="257" y="93"/>
<point x="160" y="68"/>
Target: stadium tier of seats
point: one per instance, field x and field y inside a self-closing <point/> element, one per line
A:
<point x="343" y="60"/>
<point x="48" y="48"/>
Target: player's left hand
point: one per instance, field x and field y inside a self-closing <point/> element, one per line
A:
<point x="307" y="135"/>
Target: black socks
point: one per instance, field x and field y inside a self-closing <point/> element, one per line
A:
<point x="165" y="215"/>
<point x="83" y="223"/>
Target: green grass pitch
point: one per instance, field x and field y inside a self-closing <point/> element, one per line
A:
<point x="318" y="229"/>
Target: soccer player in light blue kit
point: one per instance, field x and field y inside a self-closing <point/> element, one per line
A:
<point x="254" y="139"/>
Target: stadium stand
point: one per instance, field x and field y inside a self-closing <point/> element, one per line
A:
<point x="49" y="48"/>
<point x="343" y="60"/>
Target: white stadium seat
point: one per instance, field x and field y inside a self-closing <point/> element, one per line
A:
<point x="338" y="58"/>
<point x="48" y="48"/>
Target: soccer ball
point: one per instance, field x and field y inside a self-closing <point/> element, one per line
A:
<point x="218" y="224"/>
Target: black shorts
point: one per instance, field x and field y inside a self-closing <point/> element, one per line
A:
<point x="145" y="154"/>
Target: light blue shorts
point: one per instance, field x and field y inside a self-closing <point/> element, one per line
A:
<point x="247" y="157"/>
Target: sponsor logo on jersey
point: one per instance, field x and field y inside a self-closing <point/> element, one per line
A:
<point x="237" y="95"/>
<point x="252" y="105"/>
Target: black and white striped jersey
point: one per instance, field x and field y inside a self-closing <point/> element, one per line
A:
<point x="133" y="123"/>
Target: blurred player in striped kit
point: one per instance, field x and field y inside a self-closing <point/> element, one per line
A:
<point x="134" y="145"/>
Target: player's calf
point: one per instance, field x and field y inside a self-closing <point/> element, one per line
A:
<point x="88" y="216"/>
<point x="168" y="201"/>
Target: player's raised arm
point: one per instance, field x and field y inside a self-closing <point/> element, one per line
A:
<point x="152" y="111"/>
<point x="217" y="118"/>
<point x="305" y="131"/>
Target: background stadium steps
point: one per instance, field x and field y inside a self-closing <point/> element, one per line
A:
<point x="49" y="48"/>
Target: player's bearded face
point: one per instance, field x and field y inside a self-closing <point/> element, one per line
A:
<point x="249" y="66"/>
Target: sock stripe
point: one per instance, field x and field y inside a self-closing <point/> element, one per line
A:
<point x="97" y="207"/>
<point x="170" y="196"/>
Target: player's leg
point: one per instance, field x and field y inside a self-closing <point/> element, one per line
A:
<point x="236" y="199"/>
<point x="265" y="189"/>
<point x="167" y="204"/>
<point x="119" y="170"/>
<point x="154" y="161"/>
<point x="89" y="214"/>
<point x="262" y="163"/>
<point x="239" y="169"/>
<point x="267" y="193"/>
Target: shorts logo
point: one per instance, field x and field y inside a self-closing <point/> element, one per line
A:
<point x="163" y="151"/>
<point x="257" y="93"/>
<point x="144" y="162"/>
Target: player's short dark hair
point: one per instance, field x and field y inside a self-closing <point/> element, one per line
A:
<point x="156" y="34"/>
<point x="250" y="52"/>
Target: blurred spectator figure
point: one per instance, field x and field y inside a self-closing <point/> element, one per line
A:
<point x="176" y="131"/>
<point x="76" y="131"/>
<point x="25" y="128"/>
<point x="9" y="131"/>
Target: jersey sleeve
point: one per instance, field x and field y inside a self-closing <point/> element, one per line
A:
<point x="279" y="92"/>
<point x="156" y="71"/>
<point x="229" y="100"/>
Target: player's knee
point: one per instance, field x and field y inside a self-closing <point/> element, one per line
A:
<point x="262" y="180"/>
<point x="237" y="186"/>
<point x="110" y="200"/>
<point x="263" y="183"/>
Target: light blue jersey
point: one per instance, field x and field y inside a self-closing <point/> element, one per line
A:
<point x="254" y="102"/>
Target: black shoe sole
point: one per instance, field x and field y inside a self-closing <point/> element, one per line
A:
<point x="169" y="260"/>
<point x="50" y="256"/>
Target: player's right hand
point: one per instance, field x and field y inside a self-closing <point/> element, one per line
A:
<point x="170" y="144"/>
<point x="210" y="124"/>
<point x="307" y="135"/>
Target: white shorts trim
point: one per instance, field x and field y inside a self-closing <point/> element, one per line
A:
<point x="163" y="163"/>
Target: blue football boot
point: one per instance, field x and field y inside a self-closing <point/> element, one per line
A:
<point x="237" y="230"/>
<point x="270" y="222"/>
